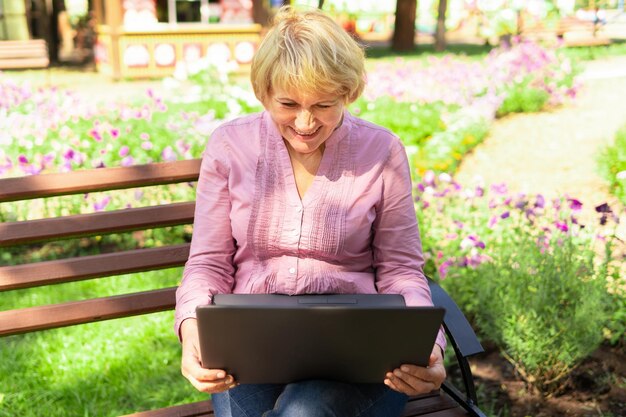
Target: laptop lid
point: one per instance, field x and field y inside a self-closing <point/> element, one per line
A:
<point x="357" y="341"/>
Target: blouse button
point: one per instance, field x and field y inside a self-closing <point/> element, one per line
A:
<point x="298" y="209"/>
<point x="292" y="270"/>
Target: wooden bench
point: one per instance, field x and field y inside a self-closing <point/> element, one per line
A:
<point x="449" y="401"/>
<point x="568" y="30"/>
<point x="24" y="54"/>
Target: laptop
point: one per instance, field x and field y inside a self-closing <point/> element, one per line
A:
<point x="281" y="339"/>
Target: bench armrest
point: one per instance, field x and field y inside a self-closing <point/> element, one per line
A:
<point x="463" y="341"/>
<point x="457" y="327"/>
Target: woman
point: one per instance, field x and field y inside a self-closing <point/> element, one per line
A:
<point x="305" y="198"/>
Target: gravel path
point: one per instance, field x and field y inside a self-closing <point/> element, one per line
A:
<point x="554" y="153"/>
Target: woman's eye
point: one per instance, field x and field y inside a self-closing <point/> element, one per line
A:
<point x="324" y="106"/>
<point x="289" y="104"/>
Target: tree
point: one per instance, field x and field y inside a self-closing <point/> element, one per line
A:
<point x="404" y="31"/>
<point x="440" y="35"/>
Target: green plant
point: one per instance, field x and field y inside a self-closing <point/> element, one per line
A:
<point x="544" y="309"/>
<point x="521" y="98"/>
<point x="523" y="269"/>
<point x="612" y="164"/>
<point x="412" y="122"/>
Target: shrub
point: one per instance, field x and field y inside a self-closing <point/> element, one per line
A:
<point x="612" y="164"/>
<point x="521" y="98"/>
<point x="524" y="269"/>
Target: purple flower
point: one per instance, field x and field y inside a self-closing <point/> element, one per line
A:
<point x="22" y="159"/>
<point x="115" y="133"/>
<point x="575" y="204"/>
<point x="100" y="205"/>
<point x="479" y="192"/>
<point x="69" y="154"/>
<point x="540" y="202"/>
<point x="444" y="267"/>
<point x="147" y="145"/>
<point x="505" y="215"/>
<point x="492" y="222"/>
<point x="562" y="226"/>
<point x="168" y="154"/>
<point x="499" y="188"/>
<point x="128" y="161"/>
<point x="95" y="135"/>
<point x="124" y="151"/>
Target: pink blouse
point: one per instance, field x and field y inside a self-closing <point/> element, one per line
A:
<point x="355" y="230"/>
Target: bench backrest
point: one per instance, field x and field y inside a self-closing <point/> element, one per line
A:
<point x="93" y="224"/>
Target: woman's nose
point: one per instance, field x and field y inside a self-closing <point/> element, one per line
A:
<point x="304" y="120"/>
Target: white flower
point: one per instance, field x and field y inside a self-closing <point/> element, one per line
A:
<point x="445" y="177"/>
<point x="621" y="175"/>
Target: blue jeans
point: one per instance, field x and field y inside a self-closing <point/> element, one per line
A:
<point x="309" y="399"/>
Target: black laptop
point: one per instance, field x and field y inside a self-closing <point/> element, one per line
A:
<point x="282" y="339"/>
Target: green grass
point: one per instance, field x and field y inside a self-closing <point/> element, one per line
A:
<point x="589" y="53"/>
<point x="100" y="369"/>
<point x="423" y="51"/>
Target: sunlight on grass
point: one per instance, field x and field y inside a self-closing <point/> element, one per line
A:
<point x="99" y="369"/>
<point x="76" y="291"/>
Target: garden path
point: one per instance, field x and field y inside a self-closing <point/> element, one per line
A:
<point x="554" y="153"/>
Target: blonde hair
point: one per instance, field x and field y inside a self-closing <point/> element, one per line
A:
<point x="308" y="51"/>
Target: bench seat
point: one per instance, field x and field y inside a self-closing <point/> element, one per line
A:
<point x="435" y="404"/>
<point x="24" y="54"/>
<point x="572" y="32"/>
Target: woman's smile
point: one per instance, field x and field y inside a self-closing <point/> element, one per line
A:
<point x="305" y="121"/>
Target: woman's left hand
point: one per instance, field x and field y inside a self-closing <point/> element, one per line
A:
<point x="415" y="380"/>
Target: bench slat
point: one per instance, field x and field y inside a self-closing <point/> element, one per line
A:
<point x="48" y="185"/>
<point x="95" y="266"/>
<point x="436" y="404"/>
<point x="125" y="220"/>
<point x="429" y="403"/>
<point x="78" y="312"/>
<point x="198" y="409"/>
<point x="24" y="63"/>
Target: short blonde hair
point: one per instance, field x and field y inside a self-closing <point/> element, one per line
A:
<point x="308" y="51"/>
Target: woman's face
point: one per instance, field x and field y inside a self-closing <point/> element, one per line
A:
<point x="305" y="120"/>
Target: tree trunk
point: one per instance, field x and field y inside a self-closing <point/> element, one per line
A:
<point x="260" y="13"/>
<point x="404" y="32"/>
<point x="440" y="35"/>
<point x="320" y="4"/>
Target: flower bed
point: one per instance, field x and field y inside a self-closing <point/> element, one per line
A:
<point x="534" y="280"/>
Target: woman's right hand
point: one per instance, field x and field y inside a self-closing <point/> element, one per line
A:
<point x="204" y="380"/>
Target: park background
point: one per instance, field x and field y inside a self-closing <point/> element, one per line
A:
<point x="517" y="144"/>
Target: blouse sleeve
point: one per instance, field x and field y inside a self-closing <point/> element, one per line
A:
<point x="398" y="257"/>
<point x="209" y="269"/>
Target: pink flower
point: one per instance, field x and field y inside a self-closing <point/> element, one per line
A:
<point x="562" y="226"/>
<point x="128" y="161"/>
<point x="124" y="151"/>
<point x="100" y="205"/>
<point x="95" y="135"/>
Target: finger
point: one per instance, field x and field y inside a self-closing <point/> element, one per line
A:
<point x="401" y="385"/>
<point x="391" y="385"/>
<point x="418" y="385"/>
<point x="433" y="373"/>
<point x="191" y="366"/>
<point x="213" y="386"/>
